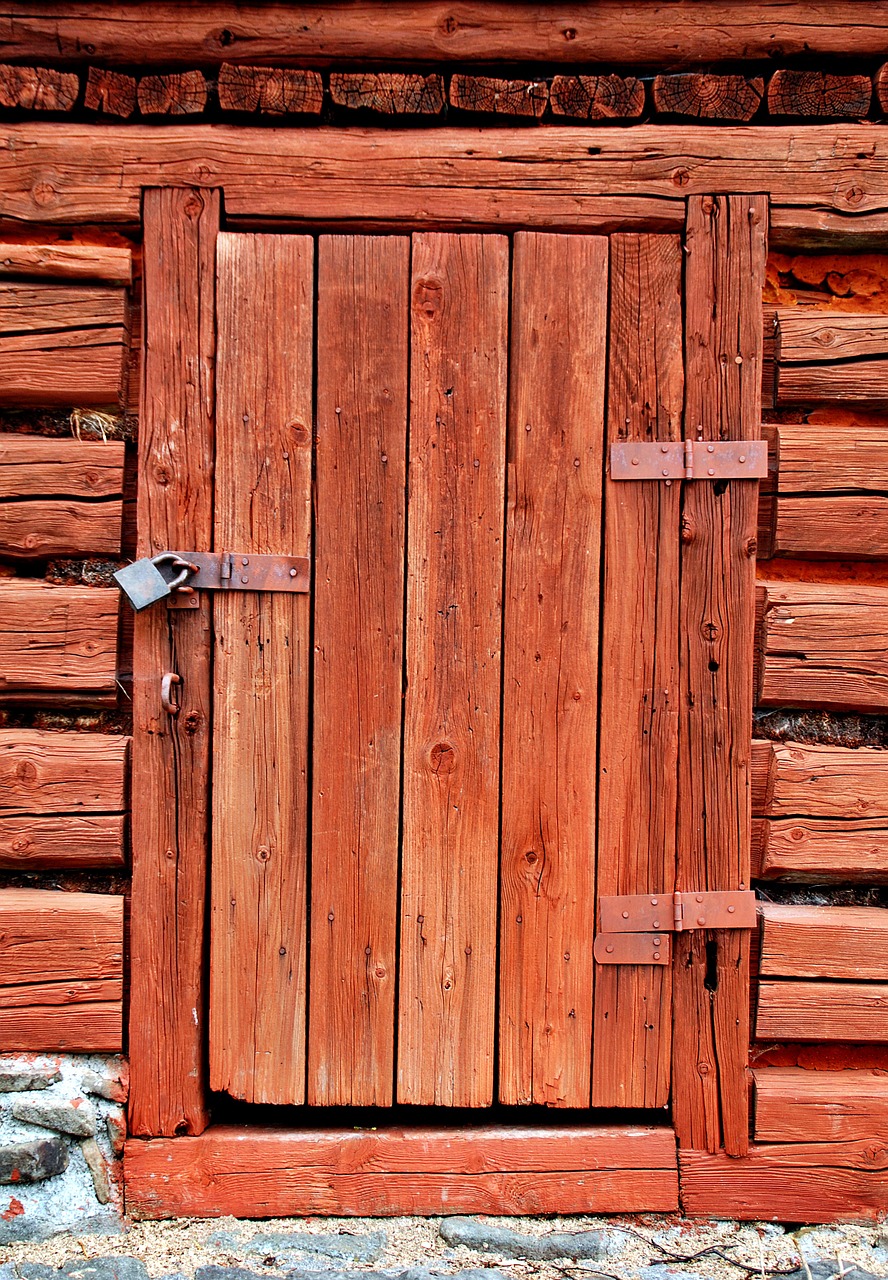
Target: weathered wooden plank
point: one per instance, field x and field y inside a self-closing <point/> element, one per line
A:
<point x="269" y="90"/>
<point x="111" y="263"/>
<point x="171" y="756"/>
<point x="852" y="851"/>
<point x="824" y="942"/>
<point x="852" y="1011"/>
<point x="708" y="96"/>
<point x="41" y="528"/>
<point x="797" y="1182"/>
<point x="823" y="644"/>
<point x="819" y="93"/>
<point x="61" y="970"/>
<point x="819" y="229"/>
<point x="265" y="314"/>
<point x="806" y="335"/>
<point x="818" y="457"/>
<point x="395" y="1171"/>
<point x="489" y="177"/>
<point x="550" y="624"/>
<point x="66" y="841"/>
<point x="44" y="772"/>
<point x="794" y="1105"/>
<point x="639" y="707"/>
<point x="360" y="505"/>
<point x="57" y="643"/>
<point x="849" y="381"/>
<point x="602" y="97"/>
<point x="649" y="32"/>
<point x="825" y="782"/>
<point x="37" y="466"/>
<point x="459" y="319"/>
<point x="50" y="308"/>
<point x="840" y="527"/>
<point x="724" y="276"/>
<point x="388" y="92"/>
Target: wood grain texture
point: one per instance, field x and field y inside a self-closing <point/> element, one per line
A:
<point x="794" y="1105"/>
<point x="111" y="263"/>
<point x="360" y="504"/>
<point x="63" y="841"/>
<point x="822" y="1011"/>
<point x="496" y="96"/>
<point x="846" y="527"/>
<point x="36" y="466"/>
<point x="557" y="364"/>
<point x="183" y="93"/>
<point x="794" y="1182"/>
<point x="38" y="88"/>
<point x="61" y="960"/>
<point x="708" y="96"/>
<point x="459" y="318"/>
<point x="110" y="92"/>
<point x="822" y="644"/>
<point x="603" y="97"/>
<point x="491" y="177"/>
<point x="57" y="644"/>
<point x="272" y="91"/>
<point x="805" y="335"/>
<point x="824" y="457"/>
<point x="388" y="92"/>
<point x="825" y="782"/>
<point x="650" y="32"/>
<point x="265" y="310"/>
<point x="171" y="757"/>
<point x="724" y="275"/>
<point x="503" y="1169"/>
<point x="819" y="93"/>
<point x="849" y="381"/>
<point x="639" y="708"/>
<point x="41" y="527"/>
<point x="824" y="942"/>
<point x="854" y="851"/>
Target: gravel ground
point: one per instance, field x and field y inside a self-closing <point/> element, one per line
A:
<point x="183" y="1245"/>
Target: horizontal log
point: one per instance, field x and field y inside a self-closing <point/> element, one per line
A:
<point x="110" y="92"/>
<point x="40" y="528"/>
<point x="66" y="841"/>
<point x="272" y="91"/>
<point x="820" y="94"/>
<point x="70" y="173"/>
<point x="798" y="779"/>
<point x="824" y="942"/>
<point x="794" y="1105"/>
<point x="795" y="1182"/>
<point x="49" y="773"/>
<point x="853" y="381"/>
<point x="57" y="644"/>
<point x="388" y="92"/>
<point x="819" y="229"/>
<point x="822" y="1011"/>
<point x="822" y="457"/>
<point x="38" y="88"/>
<point x="498" y="97"/>
<point x="823" y="644"/>
<point x="805" y="335"/>
<point x="604" y="97"/>
<point x="67" y="262"/>
<point x="52" y="308"/>
<point x="393" y="1171"/>
<point x="40" y="466"/>
<point x="647" y="32"/>
<point x="821" y="850"/>
<point x="708" y="96"/>
<point x="846" y="527"/>
<point x="61" y="970"/>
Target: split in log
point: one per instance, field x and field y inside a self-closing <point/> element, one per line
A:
<point x="793" y="778"/>
<point x="61" y="961"/>
<point x="180" y="94"/>
<point x="66" y="497"/>
<point x="708" y="96"/>
<point x="57" y="644"/>
<point x="388" y="92"/>
<point x="822" y="1011"/>
<point x="110" y="92"/>
<point x="769" y="358"/>
<point x="820" y="850"/>
<point x="271" y="90"/>
<point x="67" y="262"/>
<point x="38" y="88"/>
<point x="817" y="93"/>
<point x="822" y="644"/>
<point x="605" y="97"/>
<point x="824" y="942"/>
<point x="794" y="1105"/>
<point x="499" y="97"/>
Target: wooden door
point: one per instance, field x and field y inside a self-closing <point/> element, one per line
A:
<point x="491" y="706"/>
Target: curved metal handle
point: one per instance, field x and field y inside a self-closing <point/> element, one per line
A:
<point x="186" y="570"/>
<point x="166" y="693"/>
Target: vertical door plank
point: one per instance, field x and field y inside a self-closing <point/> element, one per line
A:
<point x="260" y="708"/>
<point x="725" y="265"/>
<point x="459" y="324"/>
<point x="363" y="293"/>
<point x="639" y="660"/>
<point x="550" y="667"/>
<point x="171" y="757"/>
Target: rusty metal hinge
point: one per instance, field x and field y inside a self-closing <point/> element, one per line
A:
<point x="635" y="927"/>
<point x="689" y="460"/>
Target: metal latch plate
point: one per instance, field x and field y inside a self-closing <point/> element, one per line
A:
<point x="689" y="460"/>
<point x="230" y="571"/>
<point x="632" y="948"/>
<point x="676" y="912"/>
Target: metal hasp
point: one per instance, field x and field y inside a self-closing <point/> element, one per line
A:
<point x="232" y="571"/>
<point x="689" y="460"/>
<point x="145" y="582"/>
<point x="632" y="923"/>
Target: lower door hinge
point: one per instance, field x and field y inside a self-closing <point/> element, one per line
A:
<point x="689" y="460"/>
<point x="635" y="927"/>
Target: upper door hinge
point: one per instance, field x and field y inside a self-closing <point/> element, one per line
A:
<point x="689" y="460"/>
<point x="633" y="925"/>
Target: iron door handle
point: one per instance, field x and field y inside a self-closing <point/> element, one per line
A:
<point x="166" y="693"/>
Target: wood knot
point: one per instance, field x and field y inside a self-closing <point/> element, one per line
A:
<point x="442" y="758"/>
<point x="428" y="298"/>
<point x="26" y="771"/>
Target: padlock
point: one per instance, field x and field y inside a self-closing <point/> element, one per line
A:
<point x="143" y="584"/>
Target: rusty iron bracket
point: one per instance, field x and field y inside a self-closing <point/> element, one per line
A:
<point x="633" y="924"/>
<point x="689" y="460"/>
<point x="232" y="571"/>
